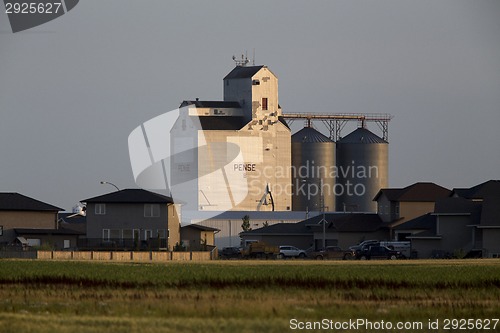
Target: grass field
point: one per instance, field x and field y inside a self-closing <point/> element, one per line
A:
<point x="242" y="296"/>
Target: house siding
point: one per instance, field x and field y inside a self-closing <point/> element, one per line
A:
<point x="424" y="247"/>
<point x="28" y="220"/>
<point x="411" y="210"/>
<point x="491" y="242"/>
<point x="10" y="220"/>
<point x="384" y="209"/>
<point x="127" y="216"/>
<point x="456" y="236"/>
<point x="174" y="226"/>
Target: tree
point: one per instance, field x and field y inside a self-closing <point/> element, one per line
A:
<point x="246" y="223"/>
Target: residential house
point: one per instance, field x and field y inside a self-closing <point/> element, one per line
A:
<point x="132" y="219"/>
<point x="486" y="232"/>
<point x="444" y="233"/>
<point x="196" y="237"/>
<point x="398" y="205"/>
<point x="27" y="222"/>
<point x="466" y="222"/>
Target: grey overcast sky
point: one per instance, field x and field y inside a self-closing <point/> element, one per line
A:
<point x="73" y="89"/>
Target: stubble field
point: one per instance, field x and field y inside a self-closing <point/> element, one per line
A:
<point x="244" y="296"/>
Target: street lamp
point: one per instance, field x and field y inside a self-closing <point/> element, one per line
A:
<point x="103" y="182"/>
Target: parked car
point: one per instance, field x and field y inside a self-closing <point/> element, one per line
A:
<point x="330" y="252"/>
<point x="378" y="252"/>
<point x="230" y="253"/>
<point x="287" y="251"/>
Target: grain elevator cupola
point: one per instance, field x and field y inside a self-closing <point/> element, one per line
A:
<point x="256" y="89"/>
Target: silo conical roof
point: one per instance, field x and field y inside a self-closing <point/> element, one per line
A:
<point x="362" y="135"/>
<point x="309" y="135"/>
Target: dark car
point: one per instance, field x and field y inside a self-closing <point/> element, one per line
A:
<point x="230" y="253"/>
<point x="378" y="252"/>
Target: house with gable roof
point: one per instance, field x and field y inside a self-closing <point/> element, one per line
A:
<point x="26" y="222"/>
<point x="467" y="222"/>
<point x="398" y="205"/>
<point x="131" y="218"/>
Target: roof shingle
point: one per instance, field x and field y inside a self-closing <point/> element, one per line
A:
<point x="16" y="201"/>
<point x="489" y="188"/>
<point x="243" y="72"/>
<point x="131" y="196"/>
<point x="418" y="192"/>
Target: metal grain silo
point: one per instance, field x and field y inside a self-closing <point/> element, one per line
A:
<point x="313" y="176"/>
<point x="362" y="170"/>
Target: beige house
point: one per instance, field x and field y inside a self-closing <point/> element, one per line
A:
<point x="196" y="237"/>
<point x="130" y="219"/>
<point x="33" y="221"/>
<point x="398" y="205"/>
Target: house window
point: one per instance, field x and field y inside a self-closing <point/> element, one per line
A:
<point x="264" y="103"/>
<point x="34" y="242"/>
<point x="115" y="234"/>
<point x="128" y="234"/>
<point x="100" y="209"/>
<point x="137" y="234"/>
<point x="162" y="233"/>
<point x="151" y="210"/>
<point x="148" y="234"/>
<point x="1" y="230"/>
<point x="67" y="244"/>
<point x="396" y="210"/>
<point x="105" y="234"/>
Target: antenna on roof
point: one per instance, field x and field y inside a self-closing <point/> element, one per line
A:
<point x="253" y="57"/>
<point x="241" y="63"/>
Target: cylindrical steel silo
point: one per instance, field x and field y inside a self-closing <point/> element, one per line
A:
<point x="313" y="171"/>
<point x="362" y="170"/>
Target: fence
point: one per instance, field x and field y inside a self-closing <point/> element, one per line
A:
<point x="135" y="256"/>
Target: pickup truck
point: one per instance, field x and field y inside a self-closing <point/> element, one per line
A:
<point x="330" y="252"/>
<point x="378" y="252"/>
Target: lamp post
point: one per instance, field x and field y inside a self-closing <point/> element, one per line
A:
<point x="103" y="182"/>
<point x="324" y="221"/>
